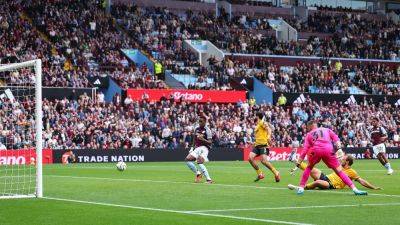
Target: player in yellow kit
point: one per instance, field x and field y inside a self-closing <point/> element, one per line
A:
<point x="262" y="135"/>
<point x="333" y="181"/>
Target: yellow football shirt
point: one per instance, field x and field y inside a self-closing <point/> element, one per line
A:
<point x="261" y="134"/>
<point x="338" y="183"/>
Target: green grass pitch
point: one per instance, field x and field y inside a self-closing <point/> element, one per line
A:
<point x="164" y="193"/>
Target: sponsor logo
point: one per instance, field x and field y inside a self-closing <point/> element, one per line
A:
<point x="350" y="101"/>
<point x="97" y="82"/>
<point x="187" y="96"/>
<point x="397" y="103"/>
<point x="24" y="157"/>
<point x="362" y="156"/>
<point x="282" y="156"/>
<point x="112" y="158"/>
<point x="12" y="160"/>
<point x="300" y="100"/>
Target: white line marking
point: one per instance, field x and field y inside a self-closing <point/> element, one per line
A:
<point x="215" y="184"/>
<point x="176" y="211"/>
<point x="300" y="207"/>
<point x="135" y="165"/>
<point x="167" y="181"/>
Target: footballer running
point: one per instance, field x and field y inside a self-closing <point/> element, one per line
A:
<point x="199" y="152"/>
<point x="378" y="136"/>
<point x="262" y="135"/>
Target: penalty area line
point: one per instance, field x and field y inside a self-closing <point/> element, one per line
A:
<point x="215" y="184"/>
<point x="300" y="207"/>
<point x="175" y="211"/>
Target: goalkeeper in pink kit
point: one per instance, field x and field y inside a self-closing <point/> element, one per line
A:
<point x="317" y="146"/>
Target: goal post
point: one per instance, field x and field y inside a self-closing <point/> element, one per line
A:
<point x="21" y="127"/>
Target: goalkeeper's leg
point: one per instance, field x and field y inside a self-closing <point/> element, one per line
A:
<point x="315" y="173"/>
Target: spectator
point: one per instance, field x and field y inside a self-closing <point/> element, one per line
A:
<point x="282" y="100"/>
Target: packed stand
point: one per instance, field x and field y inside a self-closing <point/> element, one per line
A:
<point x="80" y="30"/>
<point x="353" y="35"/>
<point x="159" y="32"/>
<point x="329" y="78"/>
<point x="85" y="37"/>
<point x="20" y="41"/>
<point x="136" y="78"/>
<point x="125" y="123"/>
<point x="160" y="29"/>
<point x="338" y="9"/>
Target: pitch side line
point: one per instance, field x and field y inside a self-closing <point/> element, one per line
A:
<point x="176" y="211"/>
<point x="211" y="166"/>
<point x="214" y="184"/>
<point x="167" y="181"/>
<point x="299" y="207"/>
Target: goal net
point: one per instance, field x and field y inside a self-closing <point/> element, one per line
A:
<point x="21" y="130"/>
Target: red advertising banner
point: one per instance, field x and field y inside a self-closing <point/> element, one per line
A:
<point x="188" y="95"/>
<point x="275" y="154"/>
<point x="24" y="156"/>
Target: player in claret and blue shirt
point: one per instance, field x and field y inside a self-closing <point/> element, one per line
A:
<point x="378" y="137"/>
<point x="202" y="142"/>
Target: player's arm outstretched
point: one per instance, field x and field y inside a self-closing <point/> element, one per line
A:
<point x="306" y="146"/>
<point x="367" y="184"/>
<point x="336" y="141"/>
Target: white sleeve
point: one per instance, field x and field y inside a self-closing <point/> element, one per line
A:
<point x="383" y="131"/>
<point x="208" y="133"/>
<point x="368" y="132"/>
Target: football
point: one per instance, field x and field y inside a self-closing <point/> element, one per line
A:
<point x="121" y="166"/>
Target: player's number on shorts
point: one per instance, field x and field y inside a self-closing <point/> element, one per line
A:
<point x="317" y="135"/>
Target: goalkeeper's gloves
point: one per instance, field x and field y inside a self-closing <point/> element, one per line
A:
<point x="339" y="154"/>
<point x="293" y="170"/>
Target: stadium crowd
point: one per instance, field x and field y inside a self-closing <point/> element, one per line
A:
<point x="133" y="77"/>
<point x="81" y="37"/>
<point x="124" y="123"/>
<point x="334" y="78"/>
<point x="304" y="78"/>
<point x="352" y="36"/>
<point x="76" y="40"/>
<point x="20" y="41"/>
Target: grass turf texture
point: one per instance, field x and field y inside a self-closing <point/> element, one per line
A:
<point x="164" y="193"/>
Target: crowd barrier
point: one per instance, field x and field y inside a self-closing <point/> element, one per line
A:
<point x="19" y="157"/>
<point x="339" y="98"/>
<point x="188" y="95"/>
<point x="282" y="153"/>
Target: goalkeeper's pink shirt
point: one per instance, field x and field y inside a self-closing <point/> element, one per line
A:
<point x="319" y="139"/>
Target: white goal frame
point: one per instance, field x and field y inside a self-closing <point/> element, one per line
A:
<point x="37" y="65"/>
